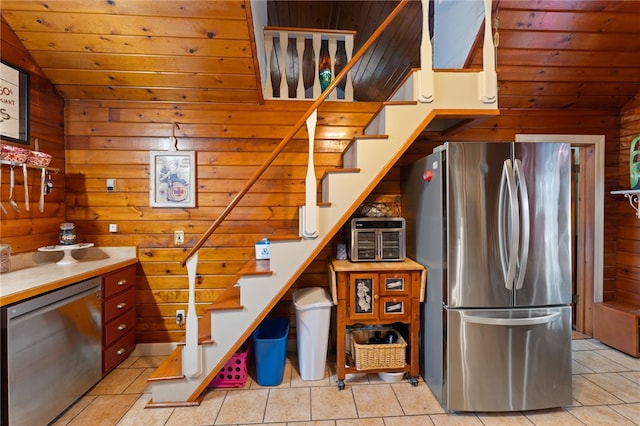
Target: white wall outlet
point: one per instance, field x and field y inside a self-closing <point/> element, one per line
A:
<point x="178" y="238"/>
<point x="113" y="227"/>
<point x="180" y="317"/>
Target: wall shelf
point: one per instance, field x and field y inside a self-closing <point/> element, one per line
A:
<point x="633" y="195"/>
<point x="30" y="166"/>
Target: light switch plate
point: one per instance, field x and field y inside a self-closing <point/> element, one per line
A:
<point x="111" y="185"/>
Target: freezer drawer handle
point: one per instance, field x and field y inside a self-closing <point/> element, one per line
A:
<point x="517" y="322"/>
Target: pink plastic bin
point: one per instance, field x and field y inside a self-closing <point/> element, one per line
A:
<point x="234" y="372"/>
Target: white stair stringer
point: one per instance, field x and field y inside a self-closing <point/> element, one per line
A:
<point x="373" y="157"/>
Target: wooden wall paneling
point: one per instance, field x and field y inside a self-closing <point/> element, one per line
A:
<point x="27" y="230"/>
<point x="112" y="139"/>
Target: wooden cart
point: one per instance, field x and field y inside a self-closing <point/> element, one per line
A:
<point x="376" y="293"/>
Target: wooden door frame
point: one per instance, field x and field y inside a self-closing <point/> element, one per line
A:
<point x="590" y="232"/>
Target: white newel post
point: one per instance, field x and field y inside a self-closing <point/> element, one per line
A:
<point x="488" y="77"/>
<point x="191" y="365"/>
<point x="309" y="215"/>
<point x="425" y="81"/>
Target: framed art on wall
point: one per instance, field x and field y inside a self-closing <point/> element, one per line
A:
<point x="172" y="179"/>
<point x="14" y="104"/>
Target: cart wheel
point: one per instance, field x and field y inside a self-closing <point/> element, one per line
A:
<point x="340" y="384"/>
<point x="413" y="381"/>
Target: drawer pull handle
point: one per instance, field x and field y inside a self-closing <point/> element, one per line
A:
<point x="122" y="327"/>
<point x="122" y="282"/>
<point x="121" y="305"/>
<point x="121" y="350"/>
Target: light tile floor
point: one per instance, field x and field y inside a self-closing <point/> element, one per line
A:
<point x="606" y="391"/>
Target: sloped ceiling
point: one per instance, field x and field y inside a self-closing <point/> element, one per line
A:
<point x="551" y="53"/>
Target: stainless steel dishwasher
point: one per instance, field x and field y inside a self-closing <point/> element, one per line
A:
<point x="52" y="347"/>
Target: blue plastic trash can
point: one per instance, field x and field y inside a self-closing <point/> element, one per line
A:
<point x="270" y="350"/>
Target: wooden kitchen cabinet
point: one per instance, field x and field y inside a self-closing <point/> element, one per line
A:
<point x="376" y="293"/>
<point x="118" y="316"/>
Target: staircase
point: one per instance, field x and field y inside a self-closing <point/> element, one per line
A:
<point x="423" y="100"/>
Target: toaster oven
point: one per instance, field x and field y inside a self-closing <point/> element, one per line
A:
<point x="377" y="239"/>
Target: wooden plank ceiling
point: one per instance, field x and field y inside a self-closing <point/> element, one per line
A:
<point x="551" y="54"/>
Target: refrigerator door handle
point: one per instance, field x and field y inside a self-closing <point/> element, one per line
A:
<point x="508" y="249"/>
<point x="523" y="196"/>
<point x="510" y="322"/>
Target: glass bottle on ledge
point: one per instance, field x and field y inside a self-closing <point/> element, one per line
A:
<point x="324" y="73"/>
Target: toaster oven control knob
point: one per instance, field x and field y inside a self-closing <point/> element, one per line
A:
<point x="428" y="175"/>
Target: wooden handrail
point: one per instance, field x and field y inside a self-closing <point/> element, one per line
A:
<point x="294" y="130"/>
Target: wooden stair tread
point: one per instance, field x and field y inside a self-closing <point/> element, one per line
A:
<point x="400" y="103"/>
<point x="170" y="369"/>
<point x="256" y="267"/>
<point x="228" y="300"/>
<point x="381" y="136"/>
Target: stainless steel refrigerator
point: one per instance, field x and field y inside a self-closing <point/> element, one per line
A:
<point x="491" y="222"/>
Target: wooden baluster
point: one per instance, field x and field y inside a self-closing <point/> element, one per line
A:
<point x="269" y="49"/>
<point x="333" y="47"/>
<point x="300" y="51"/>
<point x="284" y="87"/>
<point x="348" y="87"/>
<point x="317" y="41"/>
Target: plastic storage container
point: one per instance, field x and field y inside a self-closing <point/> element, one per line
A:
<point x="234" y="372"/>
<point x="313" y="315"/>
<point x="270" y="350"/>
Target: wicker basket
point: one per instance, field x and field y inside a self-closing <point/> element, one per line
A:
<point x="371" y="356"/>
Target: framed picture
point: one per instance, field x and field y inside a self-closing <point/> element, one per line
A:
<point x="14" y="104"/>
<point x="173" y="179"/>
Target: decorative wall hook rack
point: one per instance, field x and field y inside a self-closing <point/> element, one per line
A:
<point x="174" y="140"/>
<point x="633" y="195"/>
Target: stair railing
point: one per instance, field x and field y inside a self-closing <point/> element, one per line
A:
<point x="191" y="351"/>
<point x="294" y="130"/>
<point x="339" y="45"/>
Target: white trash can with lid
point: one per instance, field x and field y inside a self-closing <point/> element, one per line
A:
<point x="313" y="315"/>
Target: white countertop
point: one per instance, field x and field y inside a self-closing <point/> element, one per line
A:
<point x="35" y="273"/>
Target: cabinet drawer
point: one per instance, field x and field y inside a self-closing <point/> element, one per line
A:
<point x="118" y="281"/>
<point x="395" y="284"/>
<point x="118" y="351"/>
<point x="119" y="327"/>
<point x="395" y="308"/>
<point x="119" y="304"/>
